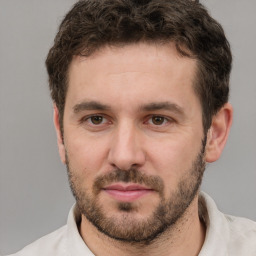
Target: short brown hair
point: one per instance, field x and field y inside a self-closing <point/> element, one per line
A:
<point x="92" y="24"/>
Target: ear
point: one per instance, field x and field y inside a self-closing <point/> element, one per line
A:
<point x="59" y="135"/>
<point x="218" y="133"/>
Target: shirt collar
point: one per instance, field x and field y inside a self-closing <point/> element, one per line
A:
<point x="75" y="243"/>
<point x="217" y="230"/>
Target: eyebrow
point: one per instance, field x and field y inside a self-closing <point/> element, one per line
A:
<point x="89" y="105"/>
<point x="153" y="106"/>
<point x="163" y="106"/>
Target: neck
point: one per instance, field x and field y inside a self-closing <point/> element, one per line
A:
<point x="185" y="238"/>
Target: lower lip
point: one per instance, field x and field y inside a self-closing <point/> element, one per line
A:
<point x="127" y="195"/>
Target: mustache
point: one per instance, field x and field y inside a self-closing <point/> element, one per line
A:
<point x="132" y="175"/>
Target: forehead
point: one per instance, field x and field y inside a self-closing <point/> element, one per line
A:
<point x="142" y="71"/>
<point x="135" y="57"/>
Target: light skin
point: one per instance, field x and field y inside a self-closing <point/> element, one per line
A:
<point x="135" y="106"/>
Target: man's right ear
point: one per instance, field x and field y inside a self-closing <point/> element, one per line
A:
<point x="60" y="141"/>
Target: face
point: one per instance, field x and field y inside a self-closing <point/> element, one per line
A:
<point x="133" y="139"/>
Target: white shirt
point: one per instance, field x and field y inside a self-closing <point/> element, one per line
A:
<point x="225" y="236"/>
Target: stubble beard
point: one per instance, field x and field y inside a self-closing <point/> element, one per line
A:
<point x="126" y="228"/>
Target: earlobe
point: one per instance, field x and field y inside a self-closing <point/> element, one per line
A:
<point x="218" y="133"/>
<point x="59" y="134"/>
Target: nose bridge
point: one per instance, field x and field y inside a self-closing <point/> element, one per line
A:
<point x="126" y="150"/>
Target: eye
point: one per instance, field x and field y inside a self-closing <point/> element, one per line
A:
<point x="96" y="120"/>
<point x="158" y="120"/>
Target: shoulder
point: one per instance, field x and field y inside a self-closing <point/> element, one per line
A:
<point x="242" y="235"/>
<point x="226" y="234"/>
<point x="51" y="244"/>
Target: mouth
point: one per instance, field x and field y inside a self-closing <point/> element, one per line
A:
<point x="127" y="192"/>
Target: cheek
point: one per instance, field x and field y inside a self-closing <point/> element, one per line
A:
<point x="86" y="155"/>
<point x="174" y="158"/>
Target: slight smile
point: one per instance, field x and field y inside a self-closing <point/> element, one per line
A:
<point x="128" y="192"/>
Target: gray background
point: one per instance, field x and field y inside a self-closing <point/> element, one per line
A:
<point x="34" y="193"/>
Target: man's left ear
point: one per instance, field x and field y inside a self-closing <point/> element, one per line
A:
<point x="218" y="133"/>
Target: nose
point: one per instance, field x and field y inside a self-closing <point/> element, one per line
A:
<point x="126" y="150"/>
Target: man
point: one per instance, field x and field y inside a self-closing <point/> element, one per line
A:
<point x="140" y="92"/>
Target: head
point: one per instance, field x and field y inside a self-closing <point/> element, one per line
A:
<point x="137" y="85"/>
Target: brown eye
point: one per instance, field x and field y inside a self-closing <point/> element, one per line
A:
<point x="96" y="119"/>
<point x="158" y="120"/>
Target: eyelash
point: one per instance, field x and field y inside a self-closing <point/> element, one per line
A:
<point x="164" y="119"/>
<point x="89" y="119"/>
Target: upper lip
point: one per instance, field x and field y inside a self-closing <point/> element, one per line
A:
<point x="126" y="187"/>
